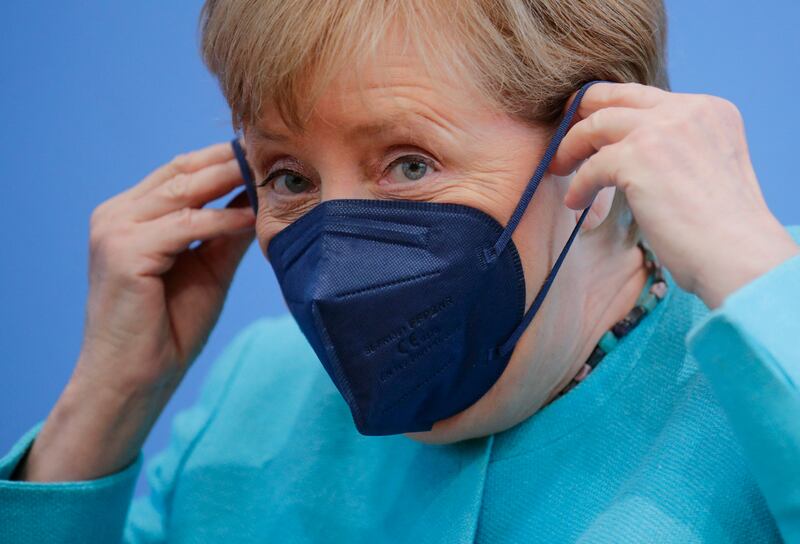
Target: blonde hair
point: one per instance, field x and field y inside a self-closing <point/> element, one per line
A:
<point x="525" y="56"/>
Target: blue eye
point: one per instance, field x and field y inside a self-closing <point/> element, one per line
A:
<point x="410" y="168"/>
<point x="288" y="182"/>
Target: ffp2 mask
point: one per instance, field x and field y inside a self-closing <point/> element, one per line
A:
<point x="413" y="308"/>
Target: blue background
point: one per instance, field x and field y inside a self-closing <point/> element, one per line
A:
<point x="94" y="97"/>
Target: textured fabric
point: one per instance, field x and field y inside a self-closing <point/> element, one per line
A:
<point x="400" y="306"/>
<point x="91" y="511"/>
<point x="659" y="444"/>
<point x="756" y="377"/>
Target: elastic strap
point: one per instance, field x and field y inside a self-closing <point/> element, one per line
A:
<point x="516" y="217"/>
<point x="247" y="174"/>
<point x="509" y="344"/>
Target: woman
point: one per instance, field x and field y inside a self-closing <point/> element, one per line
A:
<point x="389" y="151"/>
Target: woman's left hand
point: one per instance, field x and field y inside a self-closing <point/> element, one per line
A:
<point x="683" y="164"/>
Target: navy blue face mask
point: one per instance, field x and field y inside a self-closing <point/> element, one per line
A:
<point x="413" y="308"/>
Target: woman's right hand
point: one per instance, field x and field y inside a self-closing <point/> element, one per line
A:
<point x="152" y="304"/>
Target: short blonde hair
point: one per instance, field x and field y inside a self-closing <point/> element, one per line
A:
<point x="525" y="56"/>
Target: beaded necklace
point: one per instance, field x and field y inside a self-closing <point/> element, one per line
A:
<point x="655" y="289"/>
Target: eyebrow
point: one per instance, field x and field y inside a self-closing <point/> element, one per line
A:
<point x="261" y="134"/>
<point x="402" y="122"/>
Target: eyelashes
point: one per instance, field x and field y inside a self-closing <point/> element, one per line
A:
<point x="412" y="166"/>
<point x="290" y="189"/>
<point x="409" y="168"/>
<point x="287" y="182"/>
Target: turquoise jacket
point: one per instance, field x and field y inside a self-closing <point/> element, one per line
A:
<point x="688" y="431"/>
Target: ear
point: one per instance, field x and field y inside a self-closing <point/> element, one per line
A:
<point x="599" y="210"/>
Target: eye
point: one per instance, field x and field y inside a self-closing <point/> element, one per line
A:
<point x="409" y="168"/>
<point x="286" y="182"/>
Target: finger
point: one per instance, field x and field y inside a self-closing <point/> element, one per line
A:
<point x="174" y="232"/>
<point x="608" y="95"/>
<point x="604" y="127"/>
<point x="188" y="190"/>
<point x="601" y="170"/>
<point x="184" y="163"/>
<point x="239" y="201"/>
<point x="223" y="254"/>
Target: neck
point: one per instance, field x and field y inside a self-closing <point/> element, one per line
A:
<point x="613" y="278"/>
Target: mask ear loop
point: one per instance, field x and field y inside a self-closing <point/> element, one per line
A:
<point x="492" y="253"/>
<point x="247" y="174"/>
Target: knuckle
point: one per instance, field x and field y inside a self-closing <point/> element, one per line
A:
<point x="714" y="110"/>
<point x="644" y="141"/>
<point x="180" y="162"/>
<point x="709" y="102"/>
<point x="186" y="217"/>
<point x="97" y="217"/>
<point x="631" y="86"/>
<point x="178" y="186"/>
<point x="625" y="156"/>
<point x="647" y="146"/>
<point x="96" y="237"/>
<point x="705" y="103"/>
<point x="728" y="110"/>
<point x="595" y="121"/>
<point x="110" y="240"/>
<point x="617" y="92"/>
<point x="98" y="225"/>
<point x="623" y="91"/>
<point x="699" y="101"/>
<point x="668" y="127"/>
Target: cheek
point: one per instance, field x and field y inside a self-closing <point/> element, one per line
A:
<point x="537" y="235"/>
<point x="498" y="172"/>
<point x="492" y="184"/>
<point x="266" y="229"/>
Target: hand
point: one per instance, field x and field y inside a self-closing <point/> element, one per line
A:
<point x="152" y="303"/>
<point x="152" y="300"/>
<point x="683" y="163"/>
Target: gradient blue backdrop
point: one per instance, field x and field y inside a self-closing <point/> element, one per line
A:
<point x="94" y="97"/>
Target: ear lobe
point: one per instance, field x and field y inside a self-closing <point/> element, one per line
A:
<point x="599" y="210"/>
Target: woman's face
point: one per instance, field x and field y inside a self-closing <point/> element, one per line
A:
<point x="399" y="133"/>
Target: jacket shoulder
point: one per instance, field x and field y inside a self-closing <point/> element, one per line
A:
<point x="794" y="230"/>
<point x="274" y="354"/>
<point x="273" y="384"/>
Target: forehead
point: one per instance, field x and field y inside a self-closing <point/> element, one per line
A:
<point x="391" y="89"/>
